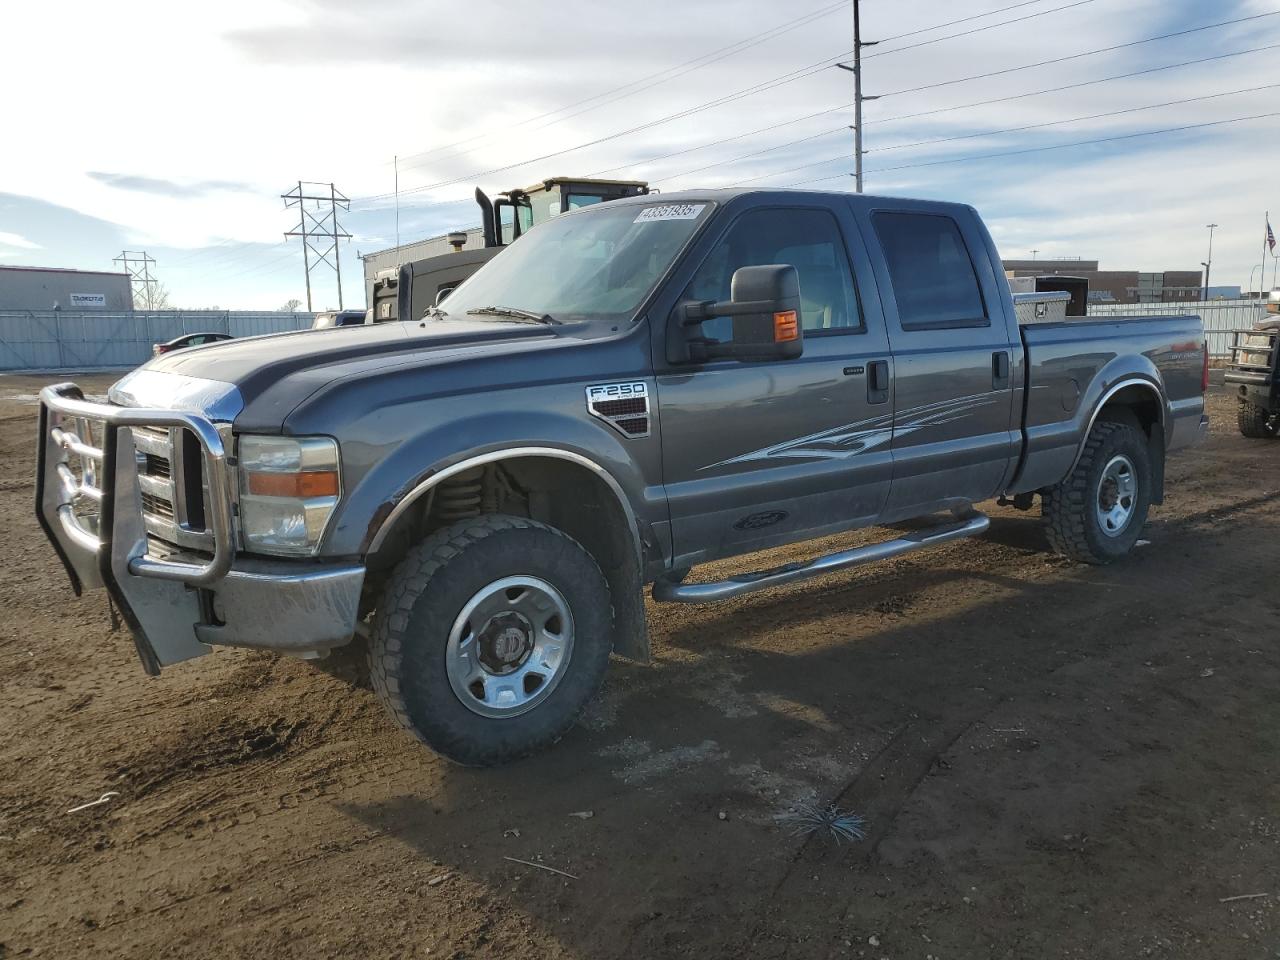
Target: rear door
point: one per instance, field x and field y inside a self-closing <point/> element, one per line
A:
<point x="956" y="433"/>
<point x="756" y="454"/>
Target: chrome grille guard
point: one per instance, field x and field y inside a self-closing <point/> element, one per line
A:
<point x="94" y="544"/>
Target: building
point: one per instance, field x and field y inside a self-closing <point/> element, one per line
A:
<point x="1116" y="286"/>
<point x="55" y="288"/>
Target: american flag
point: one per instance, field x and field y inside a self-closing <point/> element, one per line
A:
<point x="1271" y="237"/>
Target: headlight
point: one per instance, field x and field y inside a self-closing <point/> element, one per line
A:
<point x="288" y="490"/>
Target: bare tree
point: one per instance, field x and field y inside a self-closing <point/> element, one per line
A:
<point x="159" y="298"/>
<point x="290" y="306"/>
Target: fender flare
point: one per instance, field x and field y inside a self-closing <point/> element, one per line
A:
<point x="1102" y="402"/>
<point x="632" y="636"/>
<point x="512" y="453"/>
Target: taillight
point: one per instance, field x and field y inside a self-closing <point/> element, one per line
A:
<point x="1204" y="370"/>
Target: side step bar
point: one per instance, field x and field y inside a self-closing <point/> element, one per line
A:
<point x="672" y="591"/>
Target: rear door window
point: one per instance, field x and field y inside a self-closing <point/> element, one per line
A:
<point x="934" y="282"/>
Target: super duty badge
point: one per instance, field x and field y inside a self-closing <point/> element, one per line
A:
<point x="624" y="406"/>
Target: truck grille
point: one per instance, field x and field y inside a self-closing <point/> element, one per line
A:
<point x="175" y="491"/>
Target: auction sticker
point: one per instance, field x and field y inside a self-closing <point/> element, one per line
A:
<point x="671" y="211"/>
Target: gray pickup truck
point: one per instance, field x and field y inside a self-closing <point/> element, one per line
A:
<point x="477" y="495"/>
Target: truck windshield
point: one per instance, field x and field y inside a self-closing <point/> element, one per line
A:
<point x="596" y="265"/>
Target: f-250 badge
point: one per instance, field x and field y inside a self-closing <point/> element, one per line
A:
<point x="624" y="406"/>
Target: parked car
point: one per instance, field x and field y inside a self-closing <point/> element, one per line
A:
<point x="338" y="318"/>
<point x="188" y="340"/>
<point x="636" y="388"/>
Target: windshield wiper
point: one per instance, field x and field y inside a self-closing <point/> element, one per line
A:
<point x="514" y="313"/>
<point x="434" y="313"/>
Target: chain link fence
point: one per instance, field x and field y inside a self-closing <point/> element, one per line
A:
<point x="73" y="340"/>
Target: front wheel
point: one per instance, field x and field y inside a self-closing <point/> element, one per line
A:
<point x="1257" y="423"/>
<point x="1097" y="513"/>
<point x="491" y="636"/>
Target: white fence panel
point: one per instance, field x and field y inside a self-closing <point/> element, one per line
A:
<point x="1220" y="316"/>
<point x="69" y="340"/>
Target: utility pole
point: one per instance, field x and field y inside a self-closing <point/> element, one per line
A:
<point x="1033" y="255"/>
<point x="318" y="227"/>
<point x="142" y="281"/>
<point x="1208" y="264"/>
<point x="856" y="70"/>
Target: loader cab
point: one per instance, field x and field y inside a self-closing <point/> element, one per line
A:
<point x="407" y="290"/>
<point x="518" y="211"/>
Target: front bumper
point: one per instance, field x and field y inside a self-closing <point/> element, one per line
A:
<point x="89" y="502"/>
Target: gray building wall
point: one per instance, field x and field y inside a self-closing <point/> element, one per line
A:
<point x="41" y="288"/>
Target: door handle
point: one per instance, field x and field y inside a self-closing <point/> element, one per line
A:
<point x="1000" y="369"/>
<point x="878" y="381"/>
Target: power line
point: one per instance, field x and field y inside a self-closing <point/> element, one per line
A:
<point x="1033" y="126"/>
<point x="1056" y="146"/>
<point x="1077" y="56"/>
<point x="747" y="156"/>
<point x="716" y="143"/>
<point x="1092" y="116"/>
<point x="251" y="250"/>
<point x="925" y="113"/>
<point x="966" y="33"/>
<point x="794" y="75"/>
<point x="652" y="80"/>
<point x="952" y="23"/>
<point x="720" y="54"/>
<point x="1074" y="86"/>
<point x="908" y="116"/>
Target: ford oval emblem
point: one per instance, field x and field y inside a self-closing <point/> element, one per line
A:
<point x="755" y="521"/>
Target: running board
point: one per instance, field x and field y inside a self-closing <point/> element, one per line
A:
<point x="672" y="591"/>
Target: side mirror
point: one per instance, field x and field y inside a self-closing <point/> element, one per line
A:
<point x="764" y="303"/>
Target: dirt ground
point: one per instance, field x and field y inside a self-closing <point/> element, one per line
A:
<point x="1053" y="761"/>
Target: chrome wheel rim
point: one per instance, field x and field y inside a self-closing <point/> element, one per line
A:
<point x="509" y="647"/>
<point x="1117" y="495"/>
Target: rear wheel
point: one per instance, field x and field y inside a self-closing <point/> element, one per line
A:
<point x="491" y="636"/>
<point x="1096" y="514"/>
<point x="1257" y="422"/>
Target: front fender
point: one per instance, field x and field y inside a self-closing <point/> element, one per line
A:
<point x="394" y="481"/>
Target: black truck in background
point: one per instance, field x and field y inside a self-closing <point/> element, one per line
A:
<point x="1254" y="372"/>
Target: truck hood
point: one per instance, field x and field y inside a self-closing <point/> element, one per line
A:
<point x="270" y="375"/>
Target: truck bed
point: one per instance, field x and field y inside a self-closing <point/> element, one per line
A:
<point x="1073" y="364"/>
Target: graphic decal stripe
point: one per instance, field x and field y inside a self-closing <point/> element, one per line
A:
<point x="851" y="439"/>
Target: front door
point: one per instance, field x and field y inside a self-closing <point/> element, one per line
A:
<point x="761" y="453"/>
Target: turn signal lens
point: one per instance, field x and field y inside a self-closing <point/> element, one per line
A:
<point x="1204" y="370"/>
<point x="786" y="326"/>
<point x="319" y="484"/>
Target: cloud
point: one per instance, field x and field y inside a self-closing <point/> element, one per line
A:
<point x="17" y="240"/>
<point x="264" y="92"/>
<point x="167" y="188"/>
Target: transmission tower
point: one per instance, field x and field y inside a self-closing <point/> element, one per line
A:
<point x="139" y="266"/>
<point x="318" y="227"/>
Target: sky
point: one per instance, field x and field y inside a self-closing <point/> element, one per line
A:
<point x="174" y="128"/>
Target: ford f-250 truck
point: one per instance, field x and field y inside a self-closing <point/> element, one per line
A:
<point x="478" y="494"/>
